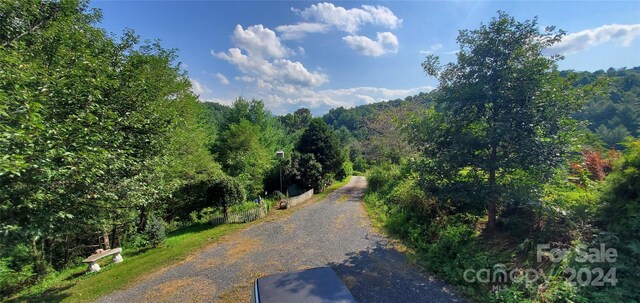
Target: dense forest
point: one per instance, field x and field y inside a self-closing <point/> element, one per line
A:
<point x="104" y="144"/>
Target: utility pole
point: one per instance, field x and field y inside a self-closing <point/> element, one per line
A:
<point x="280" y="155"/>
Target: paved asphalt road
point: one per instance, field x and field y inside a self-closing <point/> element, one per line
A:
<point x="334" y="232"/>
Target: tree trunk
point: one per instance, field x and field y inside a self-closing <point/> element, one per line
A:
<point x="142" y="220"/>
<point x="491" y="207"/>
<point x="43" y="255"/>
<point x="37" y="256"/>
<point x="105" y="240"/>
<point x="114" y="237"/>
<point x="66" y="249"/>
<point x="35" y="252"/>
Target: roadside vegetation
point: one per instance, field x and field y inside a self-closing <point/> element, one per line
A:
<point x="508" y="162"/>
<point x="105" y="145"/>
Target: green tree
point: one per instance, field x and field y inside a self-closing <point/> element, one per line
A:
<point x="303" y="170"/>
<point x="243" y="156"/>
<point x="224" y="192"/>
<point x="387" y="139"/>
<point x="297" y="120"/>
<point x="503" y="106"/>
<point x="321" y="141"/>
<point x="95" y="132"/>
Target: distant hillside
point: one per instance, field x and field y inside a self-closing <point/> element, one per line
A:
<point x="616" y="115"/>
<point x="612" y="117"/>
<point x="354" y="118"/>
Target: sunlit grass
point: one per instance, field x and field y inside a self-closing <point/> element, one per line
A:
<point x="74" y="285"/>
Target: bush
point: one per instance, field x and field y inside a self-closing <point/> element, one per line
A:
<point x="248" y="205"/>
<point x="360" y="164"/>
<point x="13" y="280"/>
<point x="278" y="196"/>
<point x="621" y="216"/>
<point x="345" y="171"/>
<point x="383" y="176"/>
<point x="225" y="192"/>
<point x="452" y="240"/>
<point x="154" y="232"/>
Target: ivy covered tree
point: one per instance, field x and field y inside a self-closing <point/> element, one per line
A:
<point x="303" y="170"/>
<point x="503" y="109"/>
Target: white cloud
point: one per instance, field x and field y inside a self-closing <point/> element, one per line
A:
<point x="267" y="71"/>
<point x="299" y="30"/>
<point x="198" y="88"/>
<point x="385" y="43"/>
<point x="432" y="49"/>
<point x="279" y="71"/>
<point x="575" y="42"/>
<point x="259" y="41"/>
<point x="222" y="78"/>
<point x="350" y="20"/>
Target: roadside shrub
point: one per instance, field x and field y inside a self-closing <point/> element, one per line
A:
<point x="202" y="216"/>
<point x="278" y="196"/>
<point x="345" y="171"/>
<point x="405" y="193"/>
<point x="140" y="240"/>
<point x="554" y="290"/>
<point x="383" y="176"/>
<point x="621" y="216"/>
<point x="452" y="240"/>
<point x="360" y="164"/>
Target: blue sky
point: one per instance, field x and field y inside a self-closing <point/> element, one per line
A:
<point x="322" y="55"/>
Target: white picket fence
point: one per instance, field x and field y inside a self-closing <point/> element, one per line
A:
<point x="241" y="217"/>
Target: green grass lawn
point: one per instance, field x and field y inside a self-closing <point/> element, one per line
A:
<point x="75" y="285"/>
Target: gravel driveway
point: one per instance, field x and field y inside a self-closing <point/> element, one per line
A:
<point x="334" y="232"/>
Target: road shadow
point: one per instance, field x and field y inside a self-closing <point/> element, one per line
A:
<point x="382" y="274"/>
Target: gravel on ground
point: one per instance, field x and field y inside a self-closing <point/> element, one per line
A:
<point x="333" y="232"/>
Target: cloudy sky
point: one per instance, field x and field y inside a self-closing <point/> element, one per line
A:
<point x="322" y="55"/>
